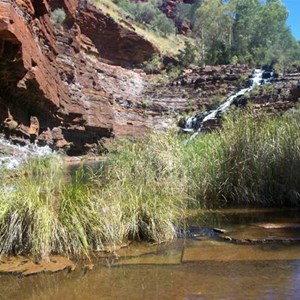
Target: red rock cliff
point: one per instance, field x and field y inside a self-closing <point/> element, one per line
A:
<point x="66" y="74"/>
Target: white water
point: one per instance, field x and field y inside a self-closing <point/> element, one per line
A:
<point x="16" y="155"/>
<point x="194" y="124"/>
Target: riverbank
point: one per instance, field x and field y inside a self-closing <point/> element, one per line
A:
<point x="251" y="234"/>
<point x="144" y="189"/>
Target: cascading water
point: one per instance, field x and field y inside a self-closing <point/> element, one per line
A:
<point x="195" y="123"/>
<point x="12" y="156"/>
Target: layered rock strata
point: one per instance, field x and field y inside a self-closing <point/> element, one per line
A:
<point x="66" y="74"/>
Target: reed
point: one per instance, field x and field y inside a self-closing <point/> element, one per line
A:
<point x="137" y="197"/>
<point x="252" y="161"/>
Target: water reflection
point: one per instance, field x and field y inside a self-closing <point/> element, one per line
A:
<point x="205" y="280"/>
<point x="185" y="269"/>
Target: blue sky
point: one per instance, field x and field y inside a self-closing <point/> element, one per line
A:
<point x="293" y="21"/>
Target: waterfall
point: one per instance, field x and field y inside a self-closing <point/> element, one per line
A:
<point x="12" y="156"/>
<point x="195" y="123"/>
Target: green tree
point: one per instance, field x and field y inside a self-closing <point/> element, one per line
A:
<point x="212" y="23"/>
<point x="244" y="28"/>
<point x="189" y="55"/>
<point x="164" y="25"/>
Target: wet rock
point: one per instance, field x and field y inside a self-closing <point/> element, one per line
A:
<point x="25" y="266"/>
<point x="278" y="225"/>
<point x="240" y="102"/>
<point x="88" y="267"/>
<point x="264" y="233"/>
<point x="165" y="258"/>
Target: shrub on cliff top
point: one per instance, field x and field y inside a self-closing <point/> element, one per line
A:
<point x="149" y="14"/>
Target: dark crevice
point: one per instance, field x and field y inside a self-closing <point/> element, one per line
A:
<point x="39" y="8"/>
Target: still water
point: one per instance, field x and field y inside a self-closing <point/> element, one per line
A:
<point x="202" y="267"/>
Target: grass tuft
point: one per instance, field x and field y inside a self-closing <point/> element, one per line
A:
<point x="250" y="162"/>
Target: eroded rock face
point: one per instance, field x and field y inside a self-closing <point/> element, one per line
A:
<point x="198" y="88"/>
<point x="60" y="72"/>
<point x="279" y="97"/>
<point x="118" y="44"/>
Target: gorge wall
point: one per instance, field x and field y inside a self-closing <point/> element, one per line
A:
<point x="69" y="75"/>
<point x="78" y="77"/>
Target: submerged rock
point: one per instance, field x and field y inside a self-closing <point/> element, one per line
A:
<point x="25" y="266"/>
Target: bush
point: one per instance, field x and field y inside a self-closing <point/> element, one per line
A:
<point x="164" y="25"/>
<point x="149" y="14"/>
<point x="188" y="56"/>
<point x="153" y="65"/>
<point x="58" y="16"/>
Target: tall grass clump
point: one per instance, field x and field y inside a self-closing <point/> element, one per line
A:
<point x="252" y="161"/>
<point x="148" y="180"/>
<point x="139" y="195"/>
<point x="43" y="212"/>
<point x="28" y="202"/>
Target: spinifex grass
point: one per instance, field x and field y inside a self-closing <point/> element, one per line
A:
<point x="28" y="202"/>
<point x="148" y="180"/>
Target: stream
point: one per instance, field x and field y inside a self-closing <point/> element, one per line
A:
<point x="224" y="254"/>
<point x="13" y="156"/>
<point x="201" y="267"/>
<point x="195" y="123"/>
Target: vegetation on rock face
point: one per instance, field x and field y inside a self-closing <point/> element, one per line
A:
<point x="148" y="14"/>
<point x="165" y="39"/>
<point x="234" y="31"/>
<point x="144" y="189"/>
<point x="58" y="16"/>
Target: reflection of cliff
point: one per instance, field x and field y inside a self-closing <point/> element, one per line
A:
<point x="59" y="72"/>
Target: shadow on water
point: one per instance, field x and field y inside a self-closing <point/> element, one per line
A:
<point x="190" y="269"/>
<point x="232" y="217"/>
